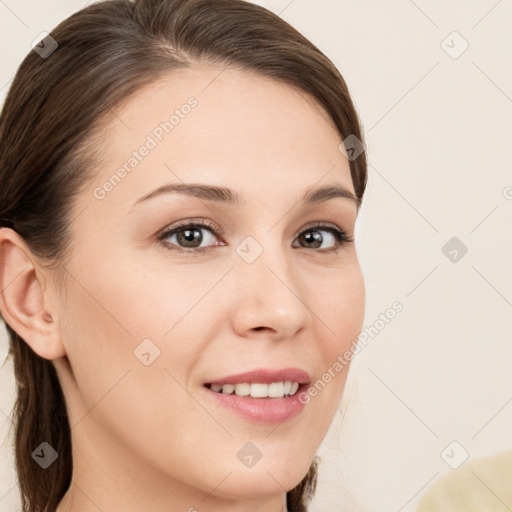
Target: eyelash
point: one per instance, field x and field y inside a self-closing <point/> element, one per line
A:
<point x="342" y="238"/>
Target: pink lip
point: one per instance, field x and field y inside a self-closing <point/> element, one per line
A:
<point x="265" y="376"/>
<point x="262" y="410"/>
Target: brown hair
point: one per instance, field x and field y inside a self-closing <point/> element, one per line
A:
<point x="48" y="128"/>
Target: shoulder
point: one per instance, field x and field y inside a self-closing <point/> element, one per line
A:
<point x="480" y="484"/>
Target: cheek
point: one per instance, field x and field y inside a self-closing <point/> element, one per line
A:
<point x="134" y="315"/>
<point x="339" y="314"/>
<point x="338" y="310"/>
<point x="154" y="300"/>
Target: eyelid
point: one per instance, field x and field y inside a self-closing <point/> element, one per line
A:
<point x="196" y="222"/>
<point x="342" y="237"/>
<point x="325" y="224"/>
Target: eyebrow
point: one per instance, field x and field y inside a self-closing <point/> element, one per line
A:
<point x="232" y="198"/>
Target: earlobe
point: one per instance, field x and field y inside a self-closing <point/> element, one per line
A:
<point x="22" y="298"/>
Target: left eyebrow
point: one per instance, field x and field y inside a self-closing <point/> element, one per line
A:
<point x="231" y="197"/>
<point x="319" y="195"/>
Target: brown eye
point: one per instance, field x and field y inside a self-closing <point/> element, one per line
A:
<point x="191" y="235"/>
<point x="312" y="238"/>
<point x="329" y="235"/>
<point x="189" y="238"/>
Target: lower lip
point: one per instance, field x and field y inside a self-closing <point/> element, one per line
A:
<point x="262" y="410"/>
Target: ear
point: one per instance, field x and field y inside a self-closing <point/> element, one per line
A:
<point x="23" y="302"/>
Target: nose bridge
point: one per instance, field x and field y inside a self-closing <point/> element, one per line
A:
<point x="268" y="290"/>
<point x="265" y="261"/>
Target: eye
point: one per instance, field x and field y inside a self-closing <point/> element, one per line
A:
<point x="188" y="236"/>
<point x="313" y="237"/>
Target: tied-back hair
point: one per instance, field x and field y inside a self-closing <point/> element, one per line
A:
<point x="50" y="128"/>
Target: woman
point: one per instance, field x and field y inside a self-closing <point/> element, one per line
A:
<point x="180" y="184"/>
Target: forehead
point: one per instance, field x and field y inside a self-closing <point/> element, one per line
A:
<point x="221" y="126"/>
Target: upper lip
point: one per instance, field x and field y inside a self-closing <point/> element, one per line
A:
<point x="266" y="376"/>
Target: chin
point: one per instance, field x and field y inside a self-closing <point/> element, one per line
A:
<point x="253" y="486"/>
<point x="262" y="480"/>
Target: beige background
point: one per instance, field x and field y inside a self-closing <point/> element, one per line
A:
<point x="439" y="134"/>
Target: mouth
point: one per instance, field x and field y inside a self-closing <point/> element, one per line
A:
<point x="261" y="396"/>
<point x="282" y="389"/>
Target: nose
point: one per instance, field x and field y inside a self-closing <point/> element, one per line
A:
<point x="269" y="297"/>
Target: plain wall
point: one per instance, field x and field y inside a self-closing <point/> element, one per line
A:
<point x="439" y="132"/>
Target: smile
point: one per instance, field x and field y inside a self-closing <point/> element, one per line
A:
<point x="257" y="389"/>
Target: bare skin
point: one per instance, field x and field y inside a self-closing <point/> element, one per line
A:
<point x="151" y="437"/>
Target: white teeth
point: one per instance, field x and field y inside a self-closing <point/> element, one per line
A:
<point x="276" y="389"/>
<point x="227" y="389"/>
<point x="258" y="390"/>
<point x="242" y="389"/>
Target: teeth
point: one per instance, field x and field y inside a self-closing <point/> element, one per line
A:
<point x="258" y="390"/>
<point x="276" y="389"/>
<point x="227" y="389"/>
<point x="242" y="389"/>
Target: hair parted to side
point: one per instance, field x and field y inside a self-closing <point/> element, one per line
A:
<point x="49" y="129"/>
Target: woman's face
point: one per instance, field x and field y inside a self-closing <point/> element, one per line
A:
<point x="146" y="323"/>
